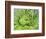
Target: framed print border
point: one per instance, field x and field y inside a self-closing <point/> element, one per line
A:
<point x="8" y="19"/>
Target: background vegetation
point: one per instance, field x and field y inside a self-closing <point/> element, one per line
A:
<point x="26" y="19"/>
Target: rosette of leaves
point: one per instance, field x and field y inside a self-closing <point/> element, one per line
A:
<point x="25" y="19"/>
